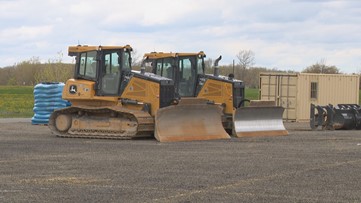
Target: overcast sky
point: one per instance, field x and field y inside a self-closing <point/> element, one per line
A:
<point x="283" y="34"/>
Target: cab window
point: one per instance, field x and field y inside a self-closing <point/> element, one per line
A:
<point x="126" y="60"/>
<point x="164" y="68"/>
<point x="200" y="65"/>
<point x="187" y="77"/>
<point x="111" y="63"/>
<point x="87" y="64"/>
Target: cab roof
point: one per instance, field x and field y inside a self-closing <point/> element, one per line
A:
<point x="157" y="55"/>
<point x="73" y="50"/>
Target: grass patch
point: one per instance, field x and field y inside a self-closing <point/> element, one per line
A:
<point x="27" y="90"/>
<point x="251" y="94"/>
<point x="16" y="101"/>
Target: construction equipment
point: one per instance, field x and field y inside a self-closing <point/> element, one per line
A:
<point x="188" y="72"/>
<point x="339" y="117"/>
<point x="109" y="100"/>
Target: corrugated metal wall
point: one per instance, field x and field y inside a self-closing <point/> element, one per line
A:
<point x="331" y="89"/>
<point x="293" y="91"/>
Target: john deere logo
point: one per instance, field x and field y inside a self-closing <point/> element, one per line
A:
<point x="72" y="89"/>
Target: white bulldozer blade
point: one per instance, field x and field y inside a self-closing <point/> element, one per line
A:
<point x="259" y="121"/>
<point x="192" y="119"/>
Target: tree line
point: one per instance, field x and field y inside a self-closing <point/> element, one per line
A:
<point x="32" y="71"/>
<point x="243" y="68"/>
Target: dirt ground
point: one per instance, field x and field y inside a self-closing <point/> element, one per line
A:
<point x="305" y="166"/>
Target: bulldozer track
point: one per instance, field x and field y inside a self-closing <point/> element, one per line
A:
<point x="141" y="123"/>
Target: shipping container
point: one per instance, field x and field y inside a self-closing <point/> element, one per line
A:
<point x="296" y="91"/>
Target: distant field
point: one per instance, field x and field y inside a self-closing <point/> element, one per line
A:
<point x="18" y="101"/>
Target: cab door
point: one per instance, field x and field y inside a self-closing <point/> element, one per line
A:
<point x="112" y="67"/>
<point x="187" y="76"/>
<point x="283" y="90"/>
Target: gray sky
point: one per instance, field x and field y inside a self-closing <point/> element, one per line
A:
<point x="283" y="34"/>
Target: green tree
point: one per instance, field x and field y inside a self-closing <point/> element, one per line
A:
<point x="321" y="67"/>
<point x="11" y="81"/>
<point x="54" y="71"/>
<point x="25" y="71"/>
<point x="5" y="74"/>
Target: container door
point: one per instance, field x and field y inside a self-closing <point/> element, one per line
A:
<point x="283" y="90"/>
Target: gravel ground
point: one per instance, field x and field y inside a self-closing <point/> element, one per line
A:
<point x="306" y="166"/>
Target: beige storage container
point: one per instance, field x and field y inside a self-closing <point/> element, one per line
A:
<point x="296" y="91"/>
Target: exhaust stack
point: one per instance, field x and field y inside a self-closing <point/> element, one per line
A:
<point x="215" y="65"/>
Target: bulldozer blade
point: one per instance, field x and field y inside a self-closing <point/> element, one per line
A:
<point x="259" y="121"/>
<point x="188" y="122"/>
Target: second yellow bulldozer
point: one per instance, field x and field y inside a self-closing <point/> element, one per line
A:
<point x="187" y="70"/>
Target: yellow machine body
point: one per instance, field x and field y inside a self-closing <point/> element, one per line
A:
<point x="220" y="93"/>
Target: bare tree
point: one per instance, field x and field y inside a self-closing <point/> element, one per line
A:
<point x="208" y="63"/>
<point x="245" y="58"/>
<point x="136" y="59"/>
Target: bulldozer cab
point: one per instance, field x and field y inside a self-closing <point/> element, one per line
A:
<point x="183" y="68"/>
<point x="104" y="65"/>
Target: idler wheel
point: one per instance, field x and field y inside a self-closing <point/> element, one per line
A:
<point x="63" y="122"/>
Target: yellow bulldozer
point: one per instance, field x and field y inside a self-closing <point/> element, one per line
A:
<point x="110" y="100"/>
<point x="187" y="70"/>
